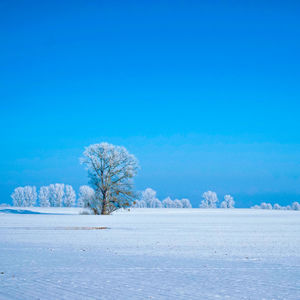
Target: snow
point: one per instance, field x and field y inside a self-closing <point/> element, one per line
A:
<point x="149" y="254"/>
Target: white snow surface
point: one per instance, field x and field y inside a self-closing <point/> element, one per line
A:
<point x="149" y="254"/>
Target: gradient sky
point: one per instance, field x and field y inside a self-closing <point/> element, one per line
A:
<point x="206" y="94"/>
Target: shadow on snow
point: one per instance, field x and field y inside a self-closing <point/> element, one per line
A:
<point x="22" y="212"/>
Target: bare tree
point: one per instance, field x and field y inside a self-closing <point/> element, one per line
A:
<point x="110" y="169"/>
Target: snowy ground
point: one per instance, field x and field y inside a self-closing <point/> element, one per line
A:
<point x="150" y="254"/>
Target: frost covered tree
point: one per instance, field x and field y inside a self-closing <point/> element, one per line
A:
<point x="86" y="196"/>
<point x="265" y="205"/>
<point x="142" y="204"/>
<point x="296" y="206"/>
<point x="228" y="202"/>
<point x="110" y="170"/>
<point x="44" y="196"/>
<point x="57" y="195"/>
<point x="155" y="203"/>
<point x="168" y="203"/>
<point x="186" y="203"/>
<point x="56" y="192"/>
<point x="18" y="197"/>
<point x="69" y="196"/>
<point x="149" y="196"/>
<point x="24" y="196"/>
<point x="277" y="207"/>
<point x="255" y="207"/>
<point x="210" y="200"/>
<point x="177" y="203"/>
<point x="30" y="195"/>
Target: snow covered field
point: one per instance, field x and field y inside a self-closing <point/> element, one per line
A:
<point x="150" y="254"/>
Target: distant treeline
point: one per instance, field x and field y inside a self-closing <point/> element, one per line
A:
<point x="63" y="195"/>
<point x="53" y="195"/>
<point x="264" y="205"/>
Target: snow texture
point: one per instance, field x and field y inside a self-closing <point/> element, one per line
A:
<point x="55" y="253"/>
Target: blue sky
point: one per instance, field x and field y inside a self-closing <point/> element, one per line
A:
<point x="205" y="93"/>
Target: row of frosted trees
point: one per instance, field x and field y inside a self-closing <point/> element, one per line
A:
<point x="209" y="200"/>
<point x="264" y="205"/>
<point x="53" y="195"/>
<point x="148" y="199"/>
<point x="63" y="195"/>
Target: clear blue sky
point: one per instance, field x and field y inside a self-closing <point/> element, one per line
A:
<point x="205" y="93"/>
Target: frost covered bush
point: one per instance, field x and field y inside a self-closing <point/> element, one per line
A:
<point x="24" y="196"/>
<point x="255" y="207"/>
<point x="277" y="207"/>
<point x="296" y="206"/>
<point x="149" y="200"/>
<point x="265" y="205"/>
<point x="228" y="202"/>
<point x="168" y="203"/>
<point x="149" y="195"/>
<point x="177" y="203"/>
<point x="210" y="200"/>
<point x="186" y="203"/>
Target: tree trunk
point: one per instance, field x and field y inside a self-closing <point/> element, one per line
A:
<point x="104" y="205"/>
<point x="95" y="211"/>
